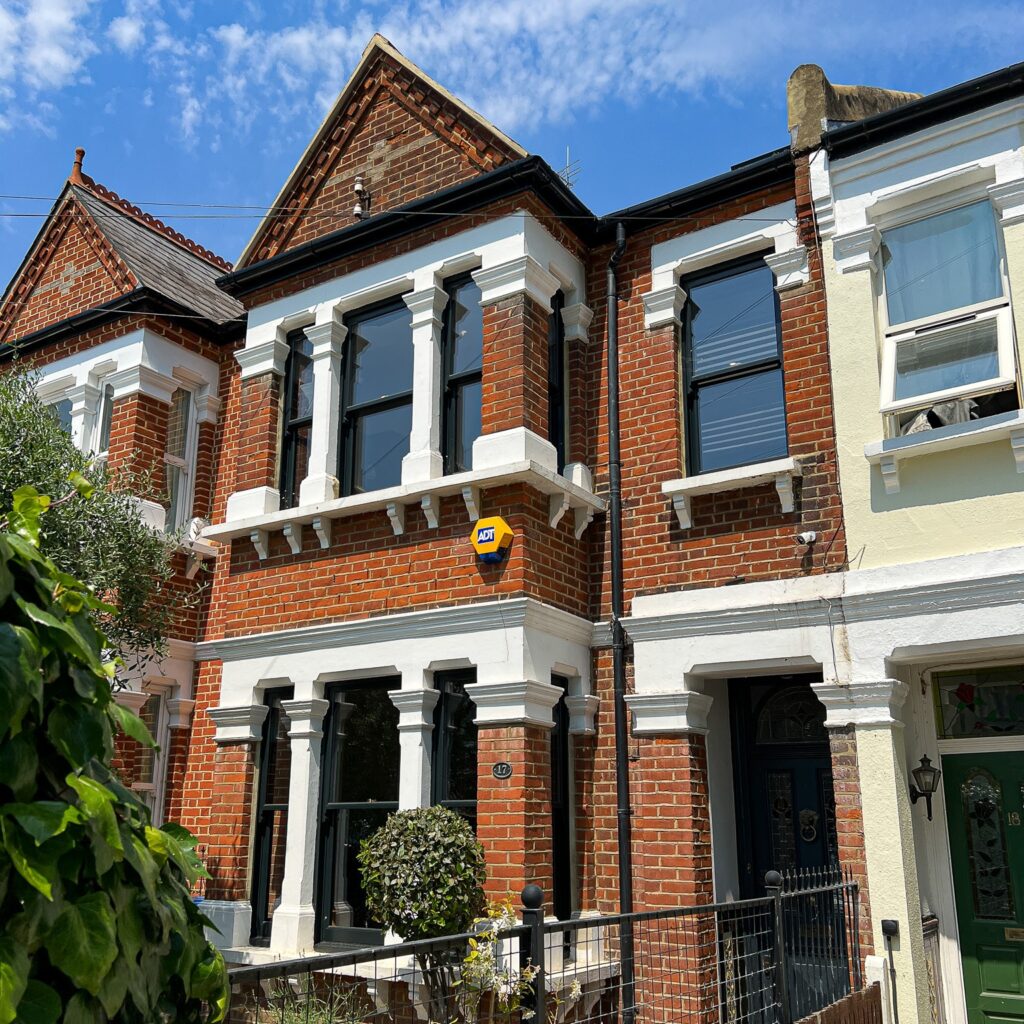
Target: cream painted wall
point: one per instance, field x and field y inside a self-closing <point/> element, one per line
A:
<point x="949" y="503"/>
<point x="892" y="871"/>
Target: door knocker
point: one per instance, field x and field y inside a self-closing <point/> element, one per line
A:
<point x="808" y="826"/>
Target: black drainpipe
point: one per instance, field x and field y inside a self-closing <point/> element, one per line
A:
<point x="623" y="811"/>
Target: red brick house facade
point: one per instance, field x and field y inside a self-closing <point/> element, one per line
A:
<point x="363" y="390"/>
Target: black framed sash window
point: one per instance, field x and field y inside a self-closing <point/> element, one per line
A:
<point x="561" y="805"/>
<point x="462" y="360"/>
<point x="558" y="381"/>
<point x="453" y="760"/>
<point x="359" y="789"/>
<point x="732" y="368"/>
<point x="271" y="815"/>
<point x="297" y="417"/>
<point x="376" y="405"/>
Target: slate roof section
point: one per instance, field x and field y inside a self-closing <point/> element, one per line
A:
<point x="159" y="262"/>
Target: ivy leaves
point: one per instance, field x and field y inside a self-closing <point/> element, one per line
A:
<point x="96" y="919"/>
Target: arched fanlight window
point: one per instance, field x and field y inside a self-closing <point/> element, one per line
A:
<point x="791" y="715"/>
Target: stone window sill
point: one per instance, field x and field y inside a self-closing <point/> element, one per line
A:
<point x="778" y="471"/>
<point x="888" y="454"/>
<point x="395" y="502"/>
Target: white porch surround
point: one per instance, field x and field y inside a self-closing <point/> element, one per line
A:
<point x="242" y="724"/>
<point x="415" y="730"/>
<point x="295" y="917"/>
<point x="872" y="635"/>
<point x="510" y="256"/>
<point x="326" y="340"/>
<point x="779" y="471"/>
<point x="519" y="702"/>
<point x="669" y="712"/>
<point x="774" y="229"/>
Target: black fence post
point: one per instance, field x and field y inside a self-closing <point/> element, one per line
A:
<point x="773" y="885"/>
<point x="533" y="953"/>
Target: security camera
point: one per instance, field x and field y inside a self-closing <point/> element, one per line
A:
<point x="808" y="537"/>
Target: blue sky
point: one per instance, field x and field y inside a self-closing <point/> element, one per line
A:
<point x="212" y="101"/>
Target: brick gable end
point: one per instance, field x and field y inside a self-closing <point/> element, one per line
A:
<point x="403" y="137"/>
<point x="73" y="268"/>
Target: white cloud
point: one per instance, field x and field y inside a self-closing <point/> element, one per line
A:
<point x="53" y="43"/>
<point x="127" y="33"/>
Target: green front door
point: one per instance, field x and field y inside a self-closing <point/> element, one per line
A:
<point x="984" y="794"/>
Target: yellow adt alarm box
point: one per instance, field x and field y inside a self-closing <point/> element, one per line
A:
<point x="491" y="538"/>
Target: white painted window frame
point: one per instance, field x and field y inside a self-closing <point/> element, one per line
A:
<point x="187" y="465"/>
<point x="908" y="209"/>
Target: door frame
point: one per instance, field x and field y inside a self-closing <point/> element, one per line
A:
<point x="937" y="859"/>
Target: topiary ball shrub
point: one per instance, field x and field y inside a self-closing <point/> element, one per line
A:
<point x="423" y="874"/>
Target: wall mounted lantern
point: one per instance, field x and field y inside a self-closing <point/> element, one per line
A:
<point x="925" y="784"/>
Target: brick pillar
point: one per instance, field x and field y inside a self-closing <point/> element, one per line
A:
<point x="230" y="821"/>
<point x="138" y="436"/>
<point x="515" y="375"/>
<point x="850" y="822"/>
<point x="202" y="499"/>
<point x="256" y="461"/>
<point x="516" y="300"/>
<point x="514" y="722"/>
<point x="672" y="855"/>
<point x="255" y="490"/>
<point x="514" y="814"/>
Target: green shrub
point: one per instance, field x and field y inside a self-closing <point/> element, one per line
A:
<point x="423" y="873"/>
<point x="96" y="919"/>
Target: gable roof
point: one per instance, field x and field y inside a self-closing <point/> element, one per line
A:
<point x="140" y="254"/>
<point x="457" y="121"/>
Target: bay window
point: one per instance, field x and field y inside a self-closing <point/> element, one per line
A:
<point x="296" y="417"/>
<point x="62" y="413"/>
<point x="151" y="762"/>
<point x="948" y="349"/>
<point x="732" y="368"/>
<point x="376" y="404"/>
<point x="463" y="356"/>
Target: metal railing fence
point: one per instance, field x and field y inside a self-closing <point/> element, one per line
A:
<point x="772" y="960"/>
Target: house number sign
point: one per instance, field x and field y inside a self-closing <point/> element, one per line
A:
<point x="502" y="770"/>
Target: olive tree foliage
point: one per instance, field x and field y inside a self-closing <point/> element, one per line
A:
<point x="103" y="540"/>
<point x="96" y="919"/>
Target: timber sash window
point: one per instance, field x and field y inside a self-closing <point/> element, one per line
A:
<point x="453" y="764"/>
<point x="297" y="417"/>
<point x="62" y="413"/>
<point x="151" y="762"/>
<point x="558" y="378"/>
<point x="104" y="418"/>
<point x="948" y="351"/>
<point x="376" y="405"/>
<point x="463" y="356"/>
<point x="178" y="459"/>
<point x="271" y="815"/>
<point x="732" y="368"/>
